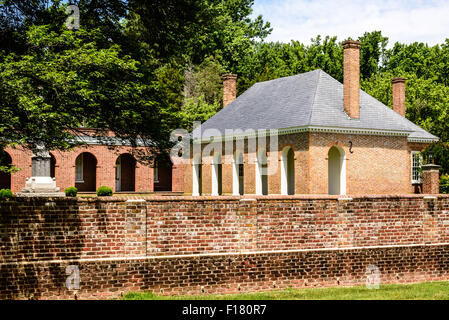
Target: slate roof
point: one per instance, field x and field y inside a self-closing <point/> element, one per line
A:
<point x="308" y="99"/>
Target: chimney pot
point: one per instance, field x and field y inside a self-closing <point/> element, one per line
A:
<point x="229" y="88"/>
<point x="399" y="95"/>
<point x="351" y="74"/>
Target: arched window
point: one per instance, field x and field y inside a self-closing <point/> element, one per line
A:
<point x="288" y="171"/>
<point x="262" y="172"/>
<point x="5" y="177"/>
<point x="197" y="176"/>
<point x="238" y="174"/>
<point x="86" y="172"/>
<point x="125" y="173"/>
<point x="336" y="171"/>
<point x="216" y="175"/>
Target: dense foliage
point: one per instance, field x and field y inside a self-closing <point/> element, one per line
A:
<point x="144" y="68"/>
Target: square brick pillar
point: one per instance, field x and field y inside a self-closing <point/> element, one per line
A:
<point x="431" y="179"/>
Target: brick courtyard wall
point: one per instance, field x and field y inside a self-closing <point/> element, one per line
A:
<point x="218" y="244"/>
<point x="105" y="169"/>
<point x="209" y="274"/>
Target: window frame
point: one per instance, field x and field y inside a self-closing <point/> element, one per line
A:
<point x="416" y="167"/>
<point x="156" y="173"/>
<point x="79" y="169"/>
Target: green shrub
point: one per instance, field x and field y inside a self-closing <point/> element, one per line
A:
<point x="104" y="191"/>
<point x="5" y="194"/>
<point x="444" y="184"/>
<point x="71" y="192"/>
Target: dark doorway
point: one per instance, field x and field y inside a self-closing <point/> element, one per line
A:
<point x="5" y="178"/>
<point x="125" y="173"/>
<point x="86" y="172"/>
<point x="52" y="166"/>
<point x="163" y="175"/>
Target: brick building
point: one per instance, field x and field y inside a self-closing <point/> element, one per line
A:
<point x="305" y="134"/>
<point x="308" y="134"/>
<point x="96" y="164"/>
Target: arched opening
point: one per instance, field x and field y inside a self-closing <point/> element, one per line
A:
<point x="52" y="166"/>
<point x="336" y="171"/>
<point x="262" y="173"/>
<point x="163" y="175"/>
<point x="125" y="173"/>
<point x="86" y="172"/>
<point x="217" y="167"/>
<point x="197" y="176"/>
<point x="238" y="175"/>
<point x="288" y="171"/>
<point x="5" y="177"/>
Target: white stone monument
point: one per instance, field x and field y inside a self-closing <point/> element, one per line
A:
<point x="41" y="184"/>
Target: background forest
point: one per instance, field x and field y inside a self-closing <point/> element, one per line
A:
<point x="144" y="68"/>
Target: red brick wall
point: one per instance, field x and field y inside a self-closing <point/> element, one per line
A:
<point x="45" y="235"/>
<point x="224" y="274"/>
<point x="378" y="164"/>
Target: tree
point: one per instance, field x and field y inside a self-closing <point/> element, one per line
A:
<point x="372" y="53"/>
<point x="64" y="81"/>
<point x="203" y="92"/>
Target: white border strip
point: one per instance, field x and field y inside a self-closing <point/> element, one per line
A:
<point x="226" y="254"/>
<point x="338" y="130"/>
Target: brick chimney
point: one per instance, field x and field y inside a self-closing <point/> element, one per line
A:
<point x="399" y="95"/>
<point x="229" y="88"/>
<point x="351" y="74"/>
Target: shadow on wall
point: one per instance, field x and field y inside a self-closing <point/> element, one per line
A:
<point x="37" y="231"/>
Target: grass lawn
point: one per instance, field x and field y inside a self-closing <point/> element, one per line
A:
<point x="419" y="291"/>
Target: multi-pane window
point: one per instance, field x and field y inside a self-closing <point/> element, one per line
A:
<point x="79" y="174"/>
<point x="416" y="167"/>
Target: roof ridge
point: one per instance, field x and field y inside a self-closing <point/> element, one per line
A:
<point x="288" y="77"/>
<point x="315" y="94"/>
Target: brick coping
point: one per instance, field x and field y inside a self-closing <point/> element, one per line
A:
<point x="249" y="198"/>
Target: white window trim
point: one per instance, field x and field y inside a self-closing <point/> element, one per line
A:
<point x="156" y="173"/>
<point x="79" y="169"/>
<point x="411" y="165"/>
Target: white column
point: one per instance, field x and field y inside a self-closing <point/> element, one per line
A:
<point x="284" y="174"/>
<point x="214" y="168"/>
<point x="343" y="174"/>
<point x="196" y="180"/>
<point x="258" y="178"/>
<point x="235" y="178"/>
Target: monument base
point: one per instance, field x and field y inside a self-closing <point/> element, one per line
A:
<point x="40" y="195"/>
<point x="40" y="186"/>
